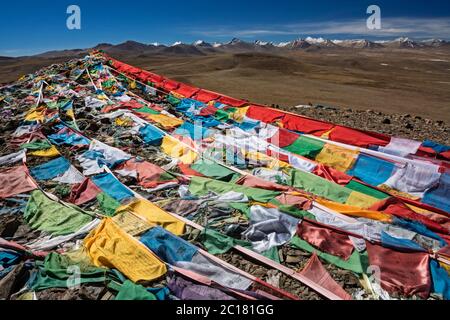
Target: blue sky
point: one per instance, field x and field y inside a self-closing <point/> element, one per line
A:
<point x="29" y="27"/>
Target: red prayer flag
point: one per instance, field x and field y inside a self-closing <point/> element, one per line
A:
<point x="186" y="91"/>
<point x="327" y="240"/>
<point x="15" y="181"/>
<point x="358" y="138"/>
<point x="333" y="175"/>
<point x="315" y="271"/>
<point x="83" y="192"/>
<point x="264" y="114"/>
<point x="283" y="138"/>
<point x="232" y="101"/>
<point x="148" y="174"/>
<point x="305" y="125"/>
<point x="206" y="96"/>
<point x="397" y="208"/>
<point x="402" y="272"/>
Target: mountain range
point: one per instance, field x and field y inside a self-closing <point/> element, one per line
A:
<point x="201" y="47"/>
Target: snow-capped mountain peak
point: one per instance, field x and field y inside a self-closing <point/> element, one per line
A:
<point x="235" y="41"/>
<point x="282" y="44"/>
<point x="402" y="39"/>
<point x="263" y="43"/>
<point x="201" y="43"/>
<point x="315" y="40"/>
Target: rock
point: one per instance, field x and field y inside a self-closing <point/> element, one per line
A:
<point x="386" y="121"/>
<point x="293" y="259"/>
<point x="93" y="127"/>
<point x="280" y="255"/>
<point x="409" y="126"/>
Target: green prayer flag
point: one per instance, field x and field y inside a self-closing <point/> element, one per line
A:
<point x="319" y="186"/>
<point x="107" y="204"/>
<point x="64" y="271"/>
<point x="131" y="291"/>
<point x="217" y="243"/>
<point x="213" y="170"/>
<point x="173" y="100"/>
<point x="108" y="83"/>
<point x="52" y="105"/>
<point x="243" y="207"/>
<point x="200" y="186"/>
<point x="356" y="186"/>
<point x="147" y="110"/>
<point x="296" y="212"/>
<point x="272" y="254"/>
<point x="224" y="115"/>
<point x="47" y="215"/>
<point x="306" y="147"/>
<point x="37" y="145"/>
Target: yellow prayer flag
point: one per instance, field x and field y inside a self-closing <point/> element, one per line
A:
<point x="394" y="192"/>
<point x="175" y="149"/>
<point x="35" y="115"/>
<point x="70" y="113"/>
<point x="419" y="210"/>
<point x="336" y="157"/>
<point x="165" y="121"/>
<point x="154" y="215"/>
<point x="361" y="200"/>
<point x="124" y="122"/>
<point x="239" y="114"/>
<point x="132" y="224"/>
<point x="177" y="95"/>
<point x="355" y="211"/>
<point x="51" y="152"/>
<point x="109" y="246"/>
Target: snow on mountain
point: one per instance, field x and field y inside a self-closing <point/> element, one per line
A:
<point x="263" y="43"/>
<point x="235" y="41"/>
<point x="201" y="43"/>
<point x="315" y="40"/>
<point x="404" y="42"/>
<point x="282" y="44"/>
